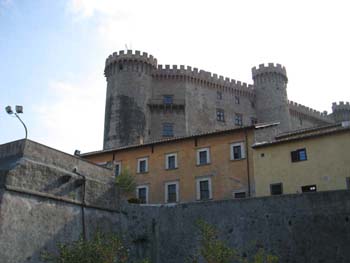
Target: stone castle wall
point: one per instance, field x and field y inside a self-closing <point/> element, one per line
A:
<point x="135" y="111"/>
<point x="43" y="201"/>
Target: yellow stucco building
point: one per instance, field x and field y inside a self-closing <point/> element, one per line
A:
<point x="211" y="166"/>
<point x="309" y="160"/>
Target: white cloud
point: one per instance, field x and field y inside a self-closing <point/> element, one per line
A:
<point x="72" y="116"/>
<point x="90" y="8"/>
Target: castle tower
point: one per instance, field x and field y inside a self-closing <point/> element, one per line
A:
<point x="271" y="102"/>
<point x="129" y="84"/>
<point x="341" y="111"/>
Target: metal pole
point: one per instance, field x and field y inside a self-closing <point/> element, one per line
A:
<point x="25" y="127"/>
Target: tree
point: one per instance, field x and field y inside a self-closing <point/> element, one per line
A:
<point x="126" y="183"/>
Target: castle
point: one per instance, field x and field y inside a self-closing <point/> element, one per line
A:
<point x="146" y="101"/>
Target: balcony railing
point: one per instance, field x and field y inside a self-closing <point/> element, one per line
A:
<point x="175" y="104"/>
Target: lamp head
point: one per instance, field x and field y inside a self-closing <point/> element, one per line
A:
<point x="9" y="110"/>
<point x="19" y="109"/>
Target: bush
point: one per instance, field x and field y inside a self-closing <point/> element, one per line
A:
<point x="126" y="183"/>
<point x="101" y="248"/>
<point x="214" y="250"/>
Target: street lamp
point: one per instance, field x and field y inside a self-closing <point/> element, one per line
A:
<point x="19" y="109"/>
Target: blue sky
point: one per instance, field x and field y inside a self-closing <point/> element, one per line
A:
<point x="53" y="54"/>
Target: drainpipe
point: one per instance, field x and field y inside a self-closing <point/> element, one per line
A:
<point x="248" y="170"/>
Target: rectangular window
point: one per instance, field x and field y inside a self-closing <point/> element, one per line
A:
<point x="204" y="191"/>
<point x="168" y="129"/>
<point x="276" y="189"/>
<point x="142" y="165"/>
<point x="237" y="100"/>
<point x="348" y="183"/>
<point x="238" y="119"/>
<point x="237" y="151"/>
<point x="220" y="115"/>
<point x="118" y="168"/>
<point x="172" y="192"/>
<point x="253" y="120"/>
<point x="219" y="95"/>
<point x="203" y="156"/>
<point x="171" y="161"/>
<point x="299" y="155"/>
<point x="142" y="194"/>
<point x="240" y="195"/>
<point x="309" y="188"/>
<point x="168" y="99"/>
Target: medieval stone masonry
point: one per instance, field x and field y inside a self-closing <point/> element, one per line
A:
<point x="146" y="101"/>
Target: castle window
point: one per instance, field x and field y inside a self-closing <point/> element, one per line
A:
<point x="238" y="119"/>
<point x="298" y="155"/>
<point x="203" y="156"/>
<point x="240" y="195"/>
<point x="220" y="115"/>
<point x="168" y="129"/>
<point x="219" y="95"/>
<point x="237" y="101"/>
<point x="168" y="99"/>
<point x="253" y="121"/>
<point x="237" y="151"/>
<point x="171" y="161"/>
<point x="142" y="194"/>
<point x="309" y="188"/>
<point x="172" y="192"/>
<point x="276" y="189"/>
<point x="204" y="191"/>
<point x="142" y="165"/>
<point x="118" y="168"/>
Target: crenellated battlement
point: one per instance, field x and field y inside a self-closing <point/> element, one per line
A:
<point x="204" y="77"/>
<point x="294" y="106"/>
<point x="269" y="68"/>
<point x="340" y="106"/>
<point x="130" y="56"/>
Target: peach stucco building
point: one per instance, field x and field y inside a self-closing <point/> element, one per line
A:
<point x="211" y="166"/>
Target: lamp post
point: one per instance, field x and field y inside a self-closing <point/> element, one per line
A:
<point x="19" y="110"/>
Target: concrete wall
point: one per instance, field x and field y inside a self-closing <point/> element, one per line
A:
<point x="38" y="209"/>
<point x="327" y="165"/>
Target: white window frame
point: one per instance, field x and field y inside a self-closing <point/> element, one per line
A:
<point x="242" y="144"/>
<point x="167" y="160"/>
<point x="139" y="160"/>
<point x="119" y="163"/>
<point x="237" y="191"/>
<point x="147" y="192"/>
<point x="198" y="192"/>
<point x="166" y="191"/>
<point x="208" y="155"/>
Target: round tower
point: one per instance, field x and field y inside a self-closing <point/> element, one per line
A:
<point x="271" y="101"/>
<point x="129" y="84"/>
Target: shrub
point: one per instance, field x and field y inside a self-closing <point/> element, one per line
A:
<point x="126" y="183"/>
<point x="102" y="248"/>
<point x="214" y="250"/>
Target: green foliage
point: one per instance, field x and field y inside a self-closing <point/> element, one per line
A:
<point x="214" y="250"/>
<point x="101" y="248"/>
<point x="126" y="183"/>
<point x="262" y="257"/>
<point x="134" y="200"/>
